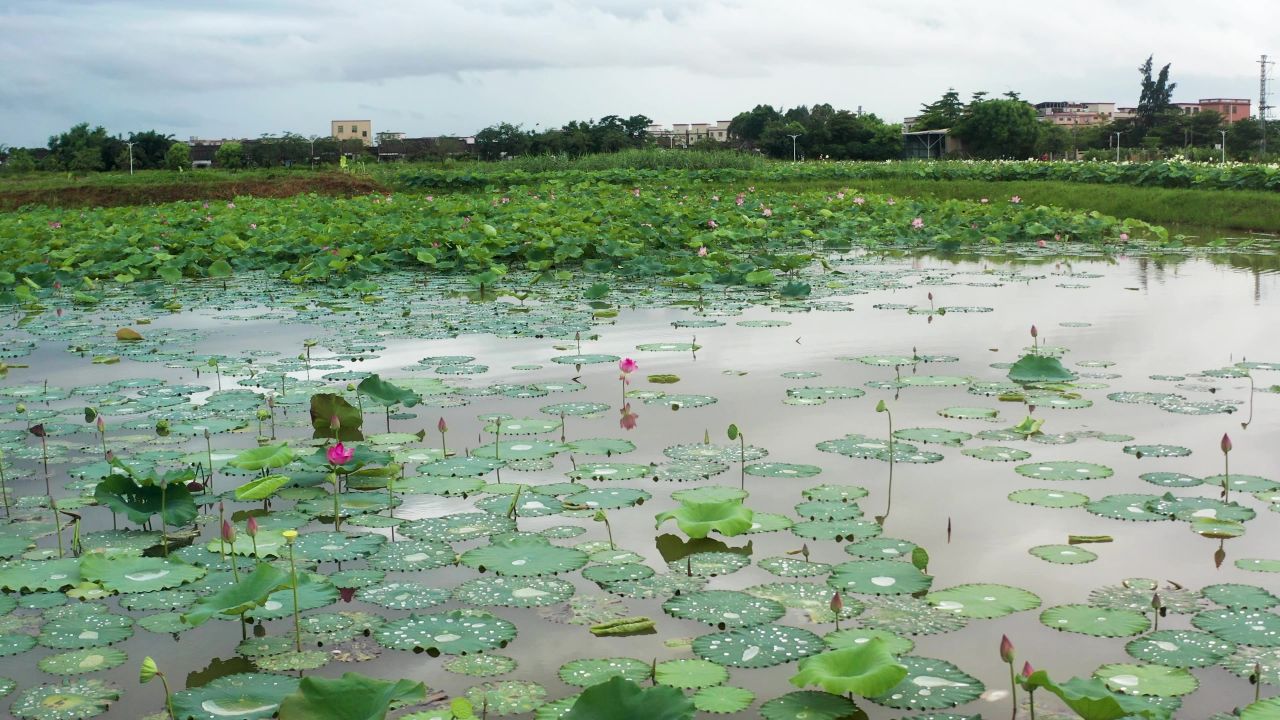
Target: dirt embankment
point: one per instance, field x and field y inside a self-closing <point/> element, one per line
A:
<point x="338" y="184"/>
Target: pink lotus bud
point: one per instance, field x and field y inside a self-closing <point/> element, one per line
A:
<point x="251" y="527"/>
<point x="627" y="365"/>
<point x="228" y="532"/>
<point x="1006" y="649"/>
<point x="1124" y="237"/>
<point x="335" y="423"/>
<point x="1027" y="670"/>
<point x="442" y="426"/>
<point x="837" y="603"/>
<point x="930" y="297"/>
<point x="347" y="594"/>
<point x="102" y="424"/>
<point x="1034" y="332"/>
<point x="1041" y="243"/>
<point x="1225" y="444"/>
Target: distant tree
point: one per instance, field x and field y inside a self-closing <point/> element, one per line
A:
<point x="1054" y="140"/>
<point x="149" y="148"/>
<point x="502" y="140"/>
<point x="749" y="126"/>
<point x="942" y="113"/>
<point x="1156" y="97"/>
<point x="178" y="156"/>
<point x="87" y="159"/>
<point x="81" y="148"/>
<point x="19" y="160"/>
<point x="1000" y="129"/>
<point x="230" y="156"/>
<point x="1244" y="136"/>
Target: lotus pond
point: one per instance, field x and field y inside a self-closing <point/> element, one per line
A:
<point x="827" y="500"/>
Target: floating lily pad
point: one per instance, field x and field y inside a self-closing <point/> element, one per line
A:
<point x="932" y="435"/>
<point x="407" y="555"/>
<point x="1243" y="627"/>
<point x="72" y="700"/>
<point x="137" y="574"/>
<point x="996" y="453"/>
<point x="812" y="598"/>
<point x="1157" y="451"/>
<point x="513" y="591"/>
<point x="486" y="665"/>
<point x="404" y="596"/>
<point x="723" y="699"/>
<point x="1049" y="498"/>
<point x="1170" y="479"/>
<point x="984" y="601"/>
<point x="453" y="633"/>
<point x="1064" y="470"/>
<point x="757" y="647"/>
<point x="507" y="697"/>
<point x="1125" y="507"/>
<point x="1233" y="595"/>
<point x="724" y="608"/>
<point x="524" y="556"/>
<point x="689" y="674"/>
<point x="1096" y="621"/>
<point x="930" y="684"/>
<point x="878" y="577"/>
<point x="855" y="637"/>
<point x="792" y="567"/>
<point x="808" y="705"/>
<point x="592" y="671"/>
<point x="1063" y="554"/>
<point x="1180" y="648"/>
<point x="77" y="662"/>
<point x="247" y="696"/>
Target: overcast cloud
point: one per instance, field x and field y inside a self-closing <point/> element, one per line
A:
<point x="434" y="67"/>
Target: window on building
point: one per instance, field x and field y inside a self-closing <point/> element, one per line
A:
<point x="364" y="133"/>
<point x="339" y="129"/>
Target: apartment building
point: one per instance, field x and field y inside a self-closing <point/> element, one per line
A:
<point x="361" y="130"/>
<point x="686" y="134"/>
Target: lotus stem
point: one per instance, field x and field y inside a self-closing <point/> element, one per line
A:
<point x="337" y="490"/>
<point x="293" y="577"/>
<point x="57" y="523"/>
<point x="44" y="455"/>
<point x="208" y="451"/>
<point x="164" y="527"/>
<point x="168" y="696"/>
<point x="1031" y="702"/>
<point x="4" y="488"/>
<point x="1013" y="690"/>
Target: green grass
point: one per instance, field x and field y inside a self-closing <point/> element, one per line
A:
<point x="1218" y="209"/>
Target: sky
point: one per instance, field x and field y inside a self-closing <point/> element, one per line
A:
<point x="241" y="68"/>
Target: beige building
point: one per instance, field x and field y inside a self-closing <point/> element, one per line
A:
<point x="686" y="134"/>
<point x="361" y="130"/>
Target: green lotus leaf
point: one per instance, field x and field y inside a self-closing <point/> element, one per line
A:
<point x="77" y="662"/>
<point x="73" y="700"/>
<point x="387" y="394"/>
<point x="1040" y="368"/>
<point x="620" y="699"/>
<point x="1091" y="699"/>
<point x="1268" y="709"/>
<point x="1096" y="621"/>
<point x="49" y="575"/>
<point x="251" y="592"/>
<point x="244" y="696"/>
<point x="1245" y="627"/>
<point x="930" y="684"/>
<point x="350" y="697"/>
<point x="123" y="494"/>
<point x="124" y="574"/>
<point x="878" y="577"/>
<point x="262" y="458"/>
<point x="723" y="699"/>
<point x="724" y="608"/>
<point x="809" y="705"/>
<point x="865" y="670"/>
<point x="593" y="671"/>
<point x="699" y="519"/>
<point x="524" y="556"/>
<point x="689" y="674"/>
<point x="1181" y="648"/>
<point x="457" y="632"/>
<point x="984" y="600"/>
<point x="757" y="647"/>
<point x="1156" y="680"/>
<point x="326" y="406"/>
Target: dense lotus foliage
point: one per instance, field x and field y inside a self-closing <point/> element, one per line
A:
<point x="666" y="228"/>
<point x="1174" y="173"/>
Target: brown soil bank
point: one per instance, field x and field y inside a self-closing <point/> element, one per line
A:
<point x="110" y="195"/>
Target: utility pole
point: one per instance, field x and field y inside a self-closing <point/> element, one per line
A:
<point x="1263" y="107"/>
<point x="793" y="145"/>
<point x="131" y="144"/>
<point x="311" y="160"/>
<point x="1224" y="146"/>
<point x="1118" y="133"/>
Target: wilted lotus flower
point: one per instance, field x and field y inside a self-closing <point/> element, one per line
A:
<point x="339" y="454"/>
<point x="347" y="594"/>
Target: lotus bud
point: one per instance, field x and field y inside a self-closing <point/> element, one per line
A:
<point x="837" y="603"/>
<point x="271" y="401"/>
<point x="102" y="424"/>
<point x="228" y="532"/>
<point x="442" y="426"/>
<point x="1006" y="649"/>
<point x="1034" y="332"/>
<point x="347" y="594"/>
<point x="206" y="433"/>
<point x="1027" y="670"/>
<point x="111" y="455"/>
<point x="1225" y="444"/>
<point x="351" y="387"/>
<point x="251" y="527"/>
<point x="930" y="297"/>
<point x="20" y="408"/>
<point x="290" y="536"/>
<point x="335" y="423"/>
<point x="37" y="430"/>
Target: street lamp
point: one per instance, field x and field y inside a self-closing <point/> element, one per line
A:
<point x="793" y="145"/>
<point x="1118" y="134"/>
<point x="131" y="144"/>
<point x="1224" y="146"/>
<point x="311" y="160"/>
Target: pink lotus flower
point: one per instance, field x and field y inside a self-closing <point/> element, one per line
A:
<point x="984" y="201"/>
<point x="1124" y="237"/>
<point x="839" y="196"/>
<point x="231" y="206"/>
<point x="431" y="198"/>
<point x="1041" y="243"/>
<point x="253" y="226"/>
<point x="54" y="225"/>
<point x="713" y="224"/>
<point x="917" y="223"/>
<point x="890" y="201"/>
<point x="627" y="365"/>
<point x="859" y="200"/>
<point x="740" y="199"/>
<point x="767" y="212"/>
<point x="339" y="454"/>
<point x="702" y="251"/>
<point x="1016" y="199"/>
<point x="635" y="192"/>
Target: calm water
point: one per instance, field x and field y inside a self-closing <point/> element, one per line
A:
<point x="1145" y="317"/>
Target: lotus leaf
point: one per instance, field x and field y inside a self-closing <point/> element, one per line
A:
<point x="866" y="670"/>
<point x="724" y="608"/>
<point x="689" y="674"/>
<point x="590" y="671"/>
<point x="878" y="577"/>
<point x="524" y="556"/>
<point x="757" y="647"/>
<point x="457" y="632"/>
<point x="699" y="519"/>
<point x="68" y="701"/>
<point x="263" y="458"/>
<point x="1096" y="621"/>
<point x="245" y="696"/>
<point x="137" y="574"/>
<point x="620" y="699"/>
<point x="252" y="591"/>
<point x="351" y="697"/>
<point x="808" y="705"/>
<point x="1038" y="369"/>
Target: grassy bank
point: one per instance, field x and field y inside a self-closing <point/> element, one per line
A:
<point x="161" y="186"/>
<point x="1234" y="210"/>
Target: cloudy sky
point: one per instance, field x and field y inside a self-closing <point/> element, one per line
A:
<point x="240" y="68"/>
